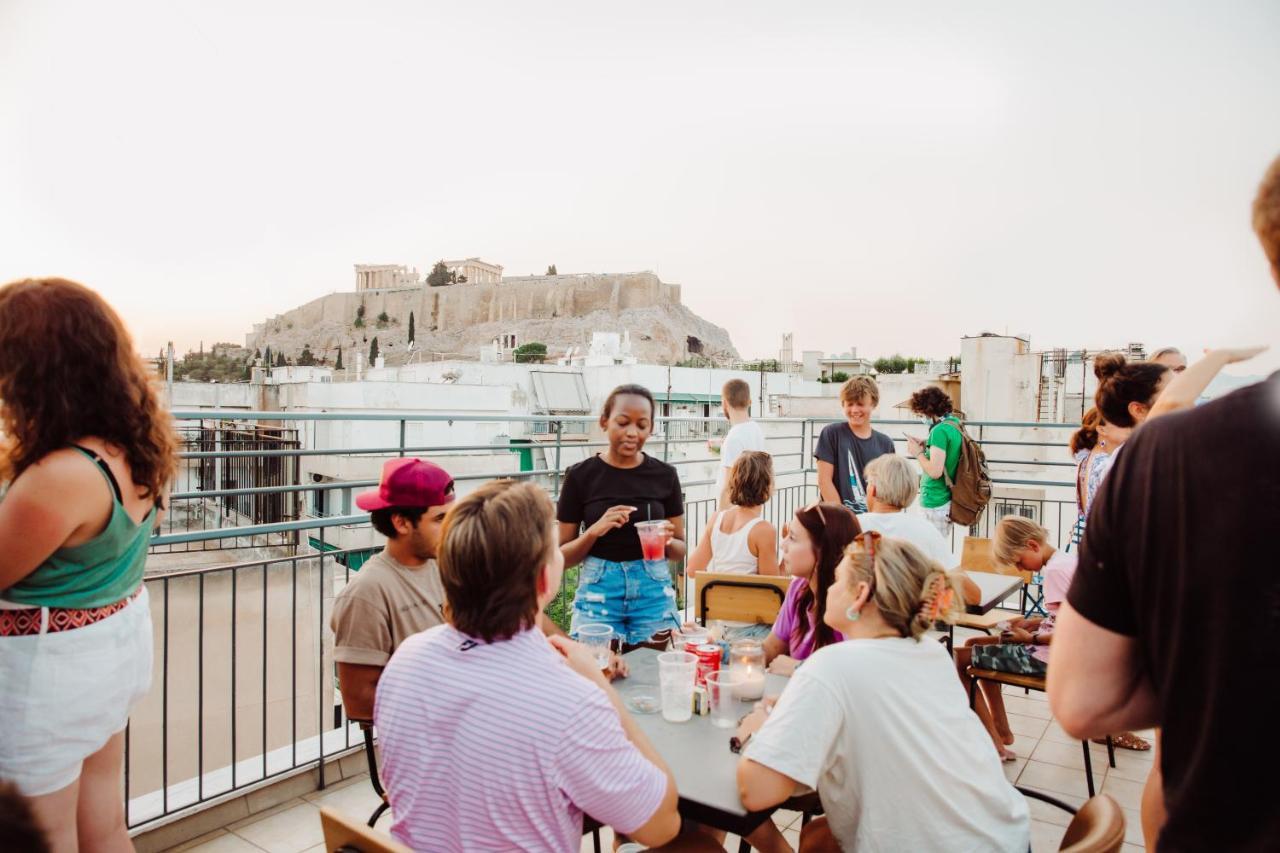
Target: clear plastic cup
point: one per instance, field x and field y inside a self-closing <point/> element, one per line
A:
<point x="690" y="637"/>
<point x="676" y="672"/>
<point x="722" y="689"/>
<point x="653" y="539"/>
<point x="597" y="638"/>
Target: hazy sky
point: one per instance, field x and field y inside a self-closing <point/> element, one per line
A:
<point x="889" y="176"/>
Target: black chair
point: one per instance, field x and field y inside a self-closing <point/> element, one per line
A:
<point x="1033" y="682"/>
<point x="371" y="758"/>
<point x="809" y="806"/>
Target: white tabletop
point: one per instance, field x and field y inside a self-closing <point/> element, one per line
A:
<point x="697" y="751"/>
<point x="995" y="589"/>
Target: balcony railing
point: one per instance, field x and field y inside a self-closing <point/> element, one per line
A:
<point x="245" y="689"/>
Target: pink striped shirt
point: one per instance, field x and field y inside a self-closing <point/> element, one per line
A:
<point x="502" y="747"/>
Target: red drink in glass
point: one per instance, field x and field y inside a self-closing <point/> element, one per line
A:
<point x="653" y="539"/>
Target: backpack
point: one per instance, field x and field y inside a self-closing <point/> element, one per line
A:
<point x="971" y="488"/>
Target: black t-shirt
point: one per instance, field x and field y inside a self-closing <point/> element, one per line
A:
<point x="1180" y="553"/>
<point x="593" y="485"/>
<point x="850" y="455"/>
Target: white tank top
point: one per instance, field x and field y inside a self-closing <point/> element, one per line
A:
<point x="729" y="551"/>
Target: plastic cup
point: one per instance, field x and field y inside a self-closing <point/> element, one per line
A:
<point x="653" y="539"/>
<point x="687" y="639"/>
<point x="597" y="638"/>
<point x="722" y="689"/>
<point x="676" y="672"/>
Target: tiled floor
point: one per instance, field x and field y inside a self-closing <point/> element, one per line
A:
<point x="1049" y="760"/>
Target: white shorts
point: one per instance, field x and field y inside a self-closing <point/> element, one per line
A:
<point x="63" y="695"/>
<point x="940" y="518"/>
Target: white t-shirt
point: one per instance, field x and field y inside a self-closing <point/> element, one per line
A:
<point x="916" y="530"/>
<point x="744" y="436"/>
<point x="882" y="729"/>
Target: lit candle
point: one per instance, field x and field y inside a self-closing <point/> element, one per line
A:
<point x="746" y="657"/>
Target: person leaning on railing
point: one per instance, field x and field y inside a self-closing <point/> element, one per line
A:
<point x="88" y="455"/>
<point x="601" y="500"/>
<point x="879" y="725"/>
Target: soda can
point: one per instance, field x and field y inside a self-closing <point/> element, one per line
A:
<point x="708" y="661"/>
<point x="701" y="700"/>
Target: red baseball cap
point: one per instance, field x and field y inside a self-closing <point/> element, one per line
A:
<point x="409" y="483"/>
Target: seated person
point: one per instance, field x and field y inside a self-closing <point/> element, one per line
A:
<point x="877" y="725"/>
<point x="811" y="548"/>
<point x="397" y="591"/>
<point x="1022" y="649"/>
<point x="493" y="735"/>
<point x="891" y="488"/>
<point x="738" y="541"/>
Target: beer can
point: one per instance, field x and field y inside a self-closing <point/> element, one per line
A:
<point x="708" y="661"/>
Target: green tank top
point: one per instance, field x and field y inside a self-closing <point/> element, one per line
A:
<point x="95" y="573"/>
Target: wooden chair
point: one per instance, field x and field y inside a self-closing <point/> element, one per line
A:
<point x="343" y="835"/>
<point x="740" y="598"/>
<point x="1097" y="826"/>
<point x="1033" y="682"/>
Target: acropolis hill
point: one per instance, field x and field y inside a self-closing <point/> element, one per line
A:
<point x="458" y="319"/>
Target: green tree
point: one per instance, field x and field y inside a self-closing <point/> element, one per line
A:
<point x="896" y="363"/>
<point x="359" y="322"/>
<point x="306" y="359"/>
<point x="267" y="361"/>
<point x="531" y="353"/>
<point x="247" y="374"/>
<point x="373" y="351"/>
<point x="839" y="376"/>
<point x="383" y="319"/>
<point x="551" y="270"/>
<point x="338" y="365"/>
<point x="440" y="275"/>
<point x="410" y="327"/>
<point x="281" y="361"/>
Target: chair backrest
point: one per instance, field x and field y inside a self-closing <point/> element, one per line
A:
<point x="1098" y="827"/>
<point x="341" y="833"/>
<point x="739" y="598"/>
<point x="978" y="555"/>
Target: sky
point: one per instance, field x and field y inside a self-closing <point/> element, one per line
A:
<point x="889" y="177"/>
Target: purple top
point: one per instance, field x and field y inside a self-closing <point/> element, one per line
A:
<point x="787" y="623"/>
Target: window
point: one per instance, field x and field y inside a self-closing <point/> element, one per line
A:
<point x="1025" y="509"/>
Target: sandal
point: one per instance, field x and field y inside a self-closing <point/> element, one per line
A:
<point x="1126" y="740"/>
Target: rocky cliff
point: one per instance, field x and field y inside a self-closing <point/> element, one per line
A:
<point x="457" y="320"/>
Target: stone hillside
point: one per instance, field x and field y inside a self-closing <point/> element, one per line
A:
<point x="458" y="320"/>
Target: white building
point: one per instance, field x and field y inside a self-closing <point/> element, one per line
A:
<point x="476" y="271"/>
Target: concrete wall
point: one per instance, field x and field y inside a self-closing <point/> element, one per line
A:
<point x="1001" y="378"/>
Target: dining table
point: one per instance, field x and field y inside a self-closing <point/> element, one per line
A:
<point x="696" y="751"/>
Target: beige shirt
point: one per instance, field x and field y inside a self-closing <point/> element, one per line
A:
<point x="384" y="604"/>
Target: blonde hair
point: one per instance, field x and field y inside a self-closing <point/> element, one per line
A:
<point x="856" y="388"/>
<point x="1012" y="535"/>
<point x="896" y="484"/>
<point x="911" y="591"/>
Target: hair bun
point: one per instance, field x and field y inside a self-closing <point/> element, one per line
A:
<point x="1107" y="364"/>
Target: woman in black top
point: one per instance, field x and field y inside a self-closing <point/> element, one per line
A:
<point x="601" y="500"/>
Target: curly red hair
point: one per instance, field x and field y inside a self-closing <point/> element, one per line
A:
<point x="1266" y="215"/>
<point x="68" y="370"/>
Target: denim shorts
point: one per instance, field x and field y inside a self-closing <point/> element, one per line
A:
<point x="634" y="597"/>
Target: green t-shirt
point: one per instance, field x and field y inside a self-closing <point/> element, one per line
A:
<point x="945" y="434"/>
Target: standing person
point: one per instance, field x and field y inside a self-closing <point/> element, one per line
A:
<point x="738" y="540"/>
<point x="744" y="434"/>
<point x="1168" y="615"/>
<point x="938" y="465"/>
<point x="397" y="591"/>
<point x="494" y="736"/>
<point x="601" y="499"/>
<point x="844" y="449"/>
<point x="879" y="726"/>
<point x="891" y="488"/>
<point x="811" y="548"/>
<point x="88" y="459"/>
<point x="1170" y="357"/>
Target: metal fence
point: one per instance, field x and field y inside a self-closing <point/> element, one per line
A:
<point x="245" y="684"/>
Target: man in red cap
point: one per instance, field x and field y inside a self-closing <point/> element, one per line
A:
<point x="397" y="592"/>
